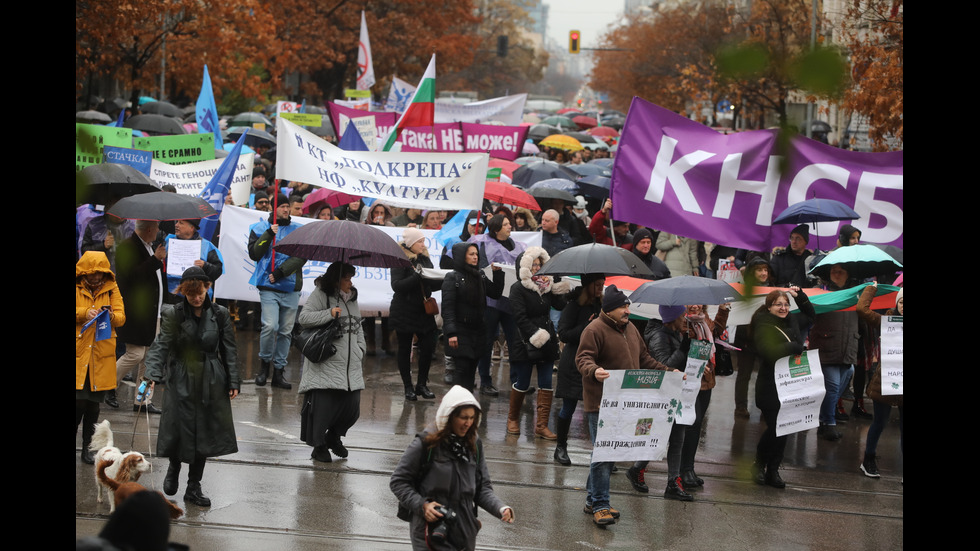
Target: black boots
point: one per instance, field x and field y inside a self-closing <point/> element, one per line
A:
<point x="410" y="393"/>
<point x="193" y="493"/>
<point x="171" y="481"/>
<point x="691" y="480"/>
<point x="423" y="391"/>
<point x="263" y="375"/>
<point x="561" y="450"/>
<point x="110" y="399"/>
<point x="675" y="490"/>
<point x="279" y="379"/>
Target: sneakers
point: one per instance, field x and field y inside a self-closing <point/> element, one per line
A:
<point x="603" y="517"/>
<point x="489" y="390"/>
<point x="870" y="467"/>
<point x="635" y="477"/>
<point x="588" y="510"/>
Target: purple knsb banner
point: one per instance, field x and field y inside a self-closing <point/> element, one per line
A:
<point x="503" y="142"/>
<point x="676" y="175"/>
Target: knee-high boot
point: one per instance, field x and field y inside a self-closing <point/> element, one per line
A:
<point x="514" y="413"/>
<point x="561" y="450"/>
<point x="544" y="414"/>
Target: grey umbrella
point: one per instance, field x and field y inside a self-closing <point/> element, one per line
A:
<point x="157" y="124"/>
<point x="254" y="138"/>
<point x="595" y="258"/>
<point x="248" y="118"/>
<point x="680" y="291"/>
<point x="162" y="206"/>
<point x="164" y="108"/>
<point x="344" y="241"/>
<point x="92" y="116"/>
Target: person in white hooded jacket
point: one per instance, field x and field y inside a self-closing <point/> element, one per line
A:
<point x="443" y="474"/>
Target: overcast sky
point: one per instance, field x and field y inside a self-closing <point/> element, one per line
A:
<point x="591" y="17"/>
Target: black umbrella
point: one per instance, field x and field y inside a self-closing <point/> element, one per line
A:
<point x="162" y="206"/>
<point x="595" y="258"/>
<point x="254" y="138"/>
<point x="595" y="186"/>
<point x="551" y="193"/>
<point x="158" y="124"/>
<point x="100" y="183"/>
<point x="539" y="132"/>
<point x="680" y="291"/>
<point x="248" y="118"/>
<point x="344" y="241"/>
<point x="531" y="173"/>
<point x="589" y="169"/>
<point x="164" y="108"/>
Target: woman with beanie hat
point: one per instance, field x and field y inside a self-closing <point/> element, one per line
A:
<point x="408" y="317"/>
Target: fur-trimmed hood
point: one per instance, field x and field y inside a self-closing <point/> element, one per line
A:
<point x="524" y="262"/>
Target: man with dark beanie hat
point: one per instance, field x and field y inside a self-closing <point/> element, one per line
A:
<point x="788" y="266"/>
<point x="609" y="342"/>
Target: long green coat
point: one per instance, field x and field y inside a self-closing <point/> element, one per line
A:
<point x="196" y="418"/>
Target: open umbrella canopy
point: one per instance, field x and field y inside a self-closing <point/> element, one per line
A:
<point x="248" y="118"/>
<point x="164" y="108"/>
<point x="539" y="132"/>
<point x="162" y="206"/>
<point x="158" y="124"/>
<point x="565" y="123"/>
<point x="605" y="163"/>
<point x="528" y="159"/>
<point x="595" y="186"/>
<point x="816" y="210"/>
<point x="503" y="192"/>
<point x="506" y="167"/>
<point x="562" y="184"/>
<point x="860" y="261"/>
<point x="603" y="131"/>
<point x="99" y="183"/>
<point x="681" y="291"/>
<point x="595" y="258"/>
<point x="255" y="137"/>
<point x="547" y="193"/>
<point x="561" y="141"/>
<point x="529" y="174"/>
<point x="584" y="122"/>
<point x="587" y="169"/>
<point x="92" y="116"/>
<point x="344" y="241"/>
<point x="323" y="196"/>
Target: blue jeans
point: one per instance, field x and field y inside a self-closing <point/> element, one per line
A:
<point x="495" y="318"/>
<point x="523" y="371"/>
<point x="278" y="316"/>
<point x="836" y="377"/>
<point x="597" y="487"/>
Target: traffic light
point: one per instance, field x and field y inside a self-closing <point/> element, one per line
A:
<point x="573" y="41"/>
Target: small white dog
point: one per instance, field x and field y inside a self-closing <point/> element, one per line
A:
<point x="124" y="467"/>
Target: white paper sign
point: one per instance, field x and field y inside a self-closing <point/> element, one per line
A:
<point x="638" y="409"/>
<point x="181" y="254"/>
<point x="697" y="361"/>
<point x="892" y="356"/>
<point x="800" y="387"/>
<point x="727" y="271"/>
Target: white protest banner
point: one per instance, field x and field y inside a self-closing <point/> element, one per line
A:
<point x="373" y="284"/>
<point x="192" y="178"/>
<point x="365" y="126"/>
<point x="359" y="104"/>
<point x="507" y="109"/>
<point x="892" y="356"/>
<point x="638" y="409"/>
<point x="697" y="360"/>
<point x="444" y="181"/>
<point x="800" y="387"/>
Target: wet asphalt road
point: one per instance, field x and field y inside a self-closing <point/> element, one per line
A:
<point x="271" y="495"/>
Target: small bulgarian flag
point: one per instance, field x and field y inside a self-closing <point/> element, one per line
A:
<point x="421" y="110"/>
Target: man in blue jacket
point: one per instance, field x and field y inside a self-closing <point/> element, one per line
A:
<point x="279" y="279"/>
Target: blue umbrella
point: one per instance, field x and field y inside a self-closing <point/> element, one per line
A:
<point x="816" y="210"/>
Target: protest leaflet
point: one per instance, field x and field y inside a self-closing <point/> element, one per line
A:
<point x="638" y="409"/>
<point x="800" y="387"/>
<point x="892" y="372"/>
<point x="697" y="360"/>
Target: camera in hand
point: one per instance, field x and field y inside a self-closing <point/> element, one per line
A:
<point x="440" y="529"/>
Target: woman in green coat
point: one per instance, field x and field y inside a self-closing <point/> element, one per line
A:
<point x="197" y="339"/>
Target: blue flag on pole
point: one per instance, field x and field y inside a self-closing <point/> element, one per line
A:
<point x="207" y="111"/>
<point x="103" y="326"/>
<point x="219" y="186"/>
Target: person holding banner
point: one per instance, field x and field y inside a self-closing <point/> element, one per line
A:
<point x="96" y="294"/>
<point x="211" y="261"/>
<point x="776" y="334"/>
<point x="464" y="304"/>
<point x="531" y="299"/>
<point x="498" y="247"/>
<point x="610" y="342"/>
<point x="408" y="316"/>
<point x="883" y="404"/>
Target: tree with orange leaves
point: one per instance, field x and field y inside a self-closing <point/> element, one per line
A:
<point x="873" y="32"/>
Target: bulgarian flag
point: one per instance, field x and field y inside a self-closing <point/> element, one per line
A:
<point x="421" y="109"/>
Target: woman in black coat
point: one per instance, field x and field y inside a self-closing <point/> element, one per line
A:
<point x="464" y="301"/>
<point x="584" y="305"/>
<point x="407" y="314"/>
<point x="776" y="334"/>
<point x="531" y="299"/>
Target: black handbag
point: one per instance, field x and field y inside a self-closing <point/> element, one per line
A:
<point x="316" y="343"/>
<point x="723" y="362"/>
